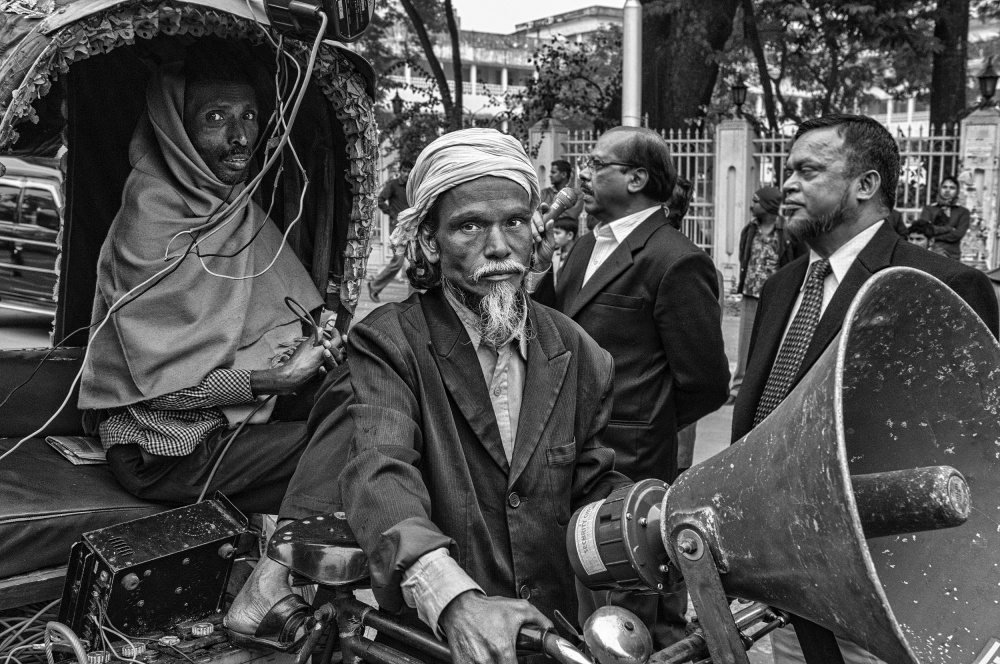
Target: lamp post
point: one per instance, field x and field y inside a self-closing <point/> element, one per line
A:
<point x="738" y="91"/>
<point x="988" y="83"/>
<point x="632" y="63"/>
<point x="397" y="104"/>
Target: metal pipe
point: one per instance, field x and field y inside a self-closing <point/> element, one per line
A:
<point x="371" y="617"/>
<point x="632" y="64"/>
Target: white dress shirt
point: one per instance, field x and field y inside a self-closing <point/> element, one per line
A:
<point x="608" y="236"/>
<point x="840" y="262"/>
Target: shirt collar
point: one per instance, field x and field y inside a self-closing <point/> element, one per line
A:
<point x="842" y="259"/>
<point x="621" y="228"/>
<point x="470" y="322"/>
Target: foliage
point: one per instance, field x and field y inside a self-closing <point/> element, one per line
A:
<point x="830" y="54"/>
<point x="581" y="81"/>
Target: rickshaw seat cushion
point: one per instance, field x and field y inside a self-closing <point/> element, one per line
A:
<point x="47" y="503"/>
<point x="322" y="549"/>
<point x="46" y="375"/>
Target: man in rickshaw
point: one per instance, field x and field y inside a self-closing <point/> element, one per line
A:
<point x="478" y="414"/>
<point x="192" y="339"/>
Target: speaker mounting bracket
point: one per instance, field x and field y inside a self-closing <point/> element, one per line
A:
<point x="704" y="582"/>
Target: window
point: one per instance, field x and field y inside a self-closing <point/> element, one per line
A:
<point x="8" y="203"/>
<point x="40" y="209"/>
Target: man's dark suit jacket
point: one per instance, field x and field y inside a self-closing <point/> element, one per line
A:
<point x="885" y="249"/>
<point x="654" y="305"/>
<point x="428" y="469"/>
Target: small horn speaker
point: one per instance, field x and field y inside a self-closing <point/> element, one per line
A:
<point x="912" y="381"/>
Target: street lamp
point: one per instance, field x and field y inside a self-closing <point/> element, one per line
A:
<point x="738" y="90"/>
<point x="988" y="82"/>
<point x="397" y="104"/>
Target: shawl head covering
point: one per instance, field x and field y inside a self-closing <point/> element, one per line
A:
<point x="191" y="322"/>
<point x="457" y="158"/>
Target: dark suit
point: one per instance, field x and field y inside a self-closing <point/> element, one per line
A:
<point x="885" y="249"/>
<point x="653" y="304"/>
<point x="428" y="468"/>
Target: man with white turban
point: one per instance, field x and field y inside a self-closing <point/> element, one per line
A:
<point x="478" y="413"/>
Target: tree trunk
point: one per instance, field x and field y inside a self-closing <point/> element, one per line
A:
<point x="679" y="40"/>
<point x="948" y="74"/>
<point x="436" y="69"/>
<point x="456" y="64"/>
<point x="753" y="37"/>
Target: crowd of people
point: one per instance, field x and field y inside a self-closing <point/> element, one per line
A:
<point x="468" y="422"/>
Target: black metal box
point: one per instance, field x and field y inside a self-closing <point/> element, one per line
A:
<point x="151" y="573"/>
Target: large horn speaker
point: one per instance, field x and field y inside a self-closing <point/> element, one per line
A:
<point x="912" y="381"/>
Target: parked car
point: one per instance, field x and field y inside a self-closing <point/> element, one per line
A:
<point x="30" y="219"/>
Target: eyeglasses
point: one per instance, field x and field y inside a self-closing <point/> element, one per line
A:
<point x="593" y="164"/>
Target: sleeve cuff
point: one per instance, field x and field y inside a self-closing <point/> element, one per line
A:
<point x="431" y="583"/>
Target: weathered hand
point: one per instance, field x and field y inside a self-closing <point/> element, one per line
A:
<point x="308" y="360"/>
<point x="483" y="630"/>
<point x="541" y="235"/>
<point x="337" y="348"/>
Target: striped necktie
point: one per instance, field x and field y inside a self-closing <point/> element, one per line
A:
<point x="793" y="350"/>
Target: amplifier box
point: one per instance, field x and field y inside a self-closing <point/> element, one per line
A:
<point x="151" y="573"/>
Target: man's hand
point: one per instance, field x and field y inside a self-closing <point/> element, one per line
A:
<point x="483" y="630"/>
<point x="307" y="361"/>
<point x="541" y="235"/>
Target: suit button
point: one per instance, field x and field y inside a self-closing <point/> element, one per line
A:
<point x="525" y="592"/>
<point x="514" y="500"/>
<point x="496" y="391"/>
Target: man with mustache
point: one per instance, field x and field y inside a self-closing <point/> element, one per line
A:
<point x="650" y="297"/>
<point x="181" y="377"/>
<point x="479" y="413"/>
<point x="839" y="189"/>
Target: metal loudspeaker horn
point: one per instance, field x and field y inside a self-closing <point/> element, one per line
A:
<point x="868" y="502"/>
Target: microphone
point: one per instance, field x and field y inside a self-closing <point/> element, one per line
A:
<point x="565" y="199"/>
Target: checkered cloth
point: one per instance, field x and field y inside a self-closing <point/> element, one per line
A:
<point x="793" y="350"/>
<point x="175" y="424"/>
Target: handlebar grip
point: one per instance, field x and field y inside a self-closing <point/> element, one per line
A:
<point x="533" y="638"/>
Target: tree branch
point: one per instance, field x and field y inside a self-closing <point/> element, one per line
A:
<point x="425" y="42"/>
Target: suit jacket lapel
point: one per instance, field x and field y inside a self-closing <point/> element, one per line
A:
<point x="462" y="373"/>
<point x="548" y="360"/>
<point x="571" y="274"/>
<point x="619" y="261"/>
<point x="876" y="255"/>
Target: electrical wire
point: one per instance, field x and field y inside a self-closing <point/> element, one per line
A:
<point x="72" y="639"/>
<point x="229" y="444"/>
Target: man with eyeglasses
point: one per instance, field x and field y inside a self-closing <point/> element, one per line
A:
<point x="649" y="297"/>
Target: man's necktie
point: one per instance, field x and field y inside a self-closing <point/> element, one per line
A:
<point x="793" y="350"/>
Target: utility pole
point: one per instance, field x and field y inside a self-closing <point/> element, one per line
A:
<point x="632" y="64"/>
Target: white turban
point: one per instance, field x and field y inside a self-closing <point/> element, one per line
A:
<point x="454" y="159"/>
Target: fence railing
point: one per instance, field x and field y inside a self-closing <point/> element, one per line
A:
<point x="693" y="151"/>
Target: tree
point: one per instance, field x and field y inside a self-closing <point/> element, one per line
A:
<point x="827" y="55"/>
<point x="579" y="82"/>
<point x="421" y="13"/>
<point x="682" y="42"/>
<point x="951" y="29"/>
